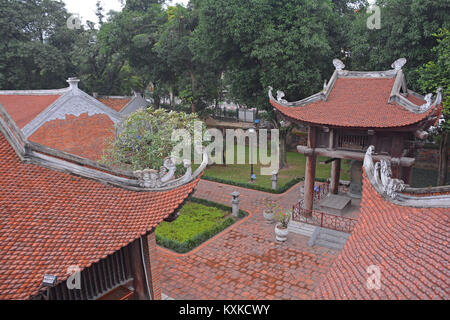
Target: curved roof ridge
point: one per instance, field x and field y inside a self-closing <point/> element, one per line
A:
<point x="365" y="99"/>
<point x="397" y="192"/>
<point x="149" y="180"/>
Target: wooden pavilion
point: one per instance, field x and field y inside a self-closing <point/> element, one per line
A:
<point x="354" y="111"/>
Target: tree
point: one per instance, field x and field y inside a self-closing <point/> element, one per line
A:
<point x="197" y="81"/>
<point x="35" y="45"/>
<point x="284" y="44"/>
<point x="144" y="138"/>
<point x="433" y="75"/>
<point x="407" y="28"/>
<point x="131" y="35"/>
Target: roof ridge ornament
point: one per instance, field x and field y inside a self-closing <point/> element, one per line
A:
<point x="150" y="178"/>
<point x="429" y="100"/>
<point x="398" y="64"/>
<point x="73" y="83"/>
<point x="381" y="175"/>
<point x="280" y="96"/>
<point x="338" y="64"/>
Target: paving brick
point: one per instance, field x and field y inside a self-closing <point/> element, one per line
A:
<point x="245" y="262"/>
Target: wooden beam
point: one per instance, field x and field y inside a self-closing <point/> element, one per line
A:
<point x="353" y="155"/>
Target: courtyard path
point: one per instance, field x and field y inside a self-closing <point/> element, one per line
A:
<point x="245" y="261"/>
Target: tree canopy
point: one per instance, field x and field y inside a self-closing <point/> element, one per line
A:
<point x="212" y="48"/>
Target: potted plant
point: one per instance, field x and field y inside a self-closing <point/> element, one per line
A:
<point x="281" y="229"/>
<point x="268" y="213"/>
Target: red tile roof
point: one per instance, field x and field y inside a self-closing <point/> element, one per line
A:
<point x="50" y="220"/>
<point x="116" y="104"/>
<point x="84" y="136"/>
<point x="356" y="102"/>
<point x="409" y="245"/>
<point x="24" y="108"/>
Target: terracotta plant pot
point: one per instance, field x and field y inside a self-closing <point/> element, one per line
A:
<point x="269" y="216"/>
<point x="281" y="234"/>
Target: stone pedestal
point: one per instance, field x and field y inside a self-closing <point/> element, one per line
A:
<point x="274" y="180"/>
<point x="336" y="204"/>
<point x="356" y="179"/>
<point x="235" y="203"/>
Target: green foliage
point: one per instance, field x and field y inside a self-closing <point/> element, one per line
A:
<point x="283" y="44"/>
<point x="436" y="74"/>
<point x="283" y="189"/>
<point x="407" y="28"/>
<point x="34" y="44"/>
<point x="283" y="218"/>
<point x="144" y="138"/>
<point x="196" y="224"/>
<point x="242" y="213"/>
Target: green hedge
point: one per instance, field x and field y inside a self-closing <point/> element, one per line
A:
<point x="242" y="213"/>
<point x="193" y="242"/>
<point x="283" y="189"/>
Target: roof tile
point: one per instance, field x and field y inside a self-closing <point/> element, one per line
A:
<point x="356" y="102"/>
<point x="409" y="245"/>
<point x="50" y="220"/>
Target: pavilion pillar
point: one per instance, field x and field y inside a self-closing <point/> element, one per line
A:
<point x="310" y="171"/>
<point x="145" y="268"/>
<point x="335" y="176"/>
<point x="335" y="165"/>
<point x="407" y="174"/>
<point x="137" y="271"/>
<point x="398" y="143"/>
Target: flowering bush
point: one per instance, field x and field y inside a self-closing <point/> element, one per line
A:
<point x="144" y="139"/>
<point x="283" y="218"/>
<point x="270" y="204"/>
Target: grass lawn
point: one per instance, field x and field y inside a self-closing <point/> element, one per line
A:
<point x="196" y="224"/>
<point x="296" y="169"/>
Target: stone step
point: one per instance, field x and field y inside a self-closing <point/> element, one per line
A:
<point x="329" y="245"/>
<point x="328" y="238"/>
<point x="333" y="236"/>
<point x="301" y="228"/>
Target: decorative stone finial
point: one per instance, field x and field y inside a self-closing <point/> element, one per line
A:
<point x="338" y="64"/>
<point x="398" y="64"/>
<point x="429" y="100"/>
<point x="73" y="83"/>
<point x="439" y="97"/>
<point x="381" y="175"/>
<point x="148" y="178"/>
<point x="280" y="96"/>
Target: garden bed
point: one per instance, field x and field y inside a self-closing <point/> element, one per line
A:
<point x="199" y="221"/>
<point x="239" y="175"/>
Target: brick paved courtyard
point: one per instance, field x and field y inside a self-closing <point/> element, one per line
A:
<point x="245" y="261"/>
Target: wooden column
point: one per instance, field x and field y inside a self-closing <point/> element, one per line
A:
<point x="310" y="170"/>
<point x="335" y="176"/>
<point x="398" y="145"/>
<point x="154" y="267"/>
<point x="137" y="271"/>
<point x="407" y="174"/>
<point x="335" y="166"/>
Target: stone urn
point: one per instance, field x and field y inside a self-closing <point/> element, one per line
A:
<point x="281" y="233"/>
<point x="269" y="216"/>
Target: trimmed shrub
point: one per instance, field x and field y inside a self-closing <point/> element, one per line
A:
<point x="199" y="221"/>
<point x="283" y="189"/>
